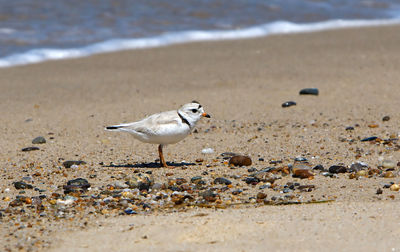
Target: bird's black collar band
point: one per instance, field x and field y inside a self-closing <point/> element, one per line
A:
<point x="184" y="120"/>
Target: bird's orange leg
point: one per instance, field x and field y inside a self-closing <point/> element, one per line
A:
<point x="162" y="160"/>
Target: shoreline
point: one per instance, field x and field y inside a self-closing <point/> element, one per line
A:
<point x="39" y="55"/>
<point x="242" y="84"/>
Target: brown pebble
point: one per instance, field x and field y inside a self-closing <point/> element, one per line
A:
<point x="301" y="170"/>
<point x="379" y="191"/>
<point x="389" y="174"/>
<point x="261" y="195"/>
<point x="386" y="118"/>
<point x="373" y="126"/>
<point x="240" y="160"/>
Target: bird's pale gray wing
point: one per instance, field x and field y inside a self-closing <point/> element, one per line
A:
<point x="155" y="123"/>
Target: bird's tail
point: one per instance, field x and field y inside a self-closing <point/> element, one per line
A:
<point x="113" y="128"/>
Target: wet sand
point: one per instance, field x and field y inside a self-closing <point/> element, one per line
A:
<point x="242" y="84"/>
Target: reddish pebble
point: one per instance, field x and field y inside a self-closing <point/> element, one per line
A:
<point x="240" y="160"/>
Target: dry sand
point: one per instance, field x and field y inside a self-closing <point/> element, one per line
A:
<point x="242" y="84"/>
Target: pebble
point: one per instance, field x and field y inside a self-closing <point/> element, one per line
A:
<point x="265" y="176"/>
<point x="350" y="128"/>
<point x="251" y="180"/>
<point x="196" y="179"/>
<point x="79" y="185"/>
<point x="319" y="167"/>
<point x="388" y="164"/>
<point x="309" y="91"/>
<point x="207" y="151"/>
<point x="222" y="180"/>
<point x="69" y="163"/>
<point x="240" y="160"/>
<point x="379" y="191"/>
<point x="39" y="140"/>
<point x="337" y="169"/>
<point x="261" y="195"/>
<point x="301" y="170"/>
<point x="266" y="185"/>
<point x="140" y="181"/>
<point x="252" y="169"/>
<point x="33" y="148"/>
<point x="355" y="167"/>
<point x="288" y="104"/>
<point x="394" y="187"/>
<point x="22" y="185"/>
<point x="129" y="211"/>
<point x="367" y="139"/>
<point x="300" y="159"/>
<point x="362" y="173"/>
<point x="386" y="118"/>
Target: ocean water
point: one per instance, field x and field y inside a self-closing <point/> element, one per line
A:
<point x="33" y="31"/>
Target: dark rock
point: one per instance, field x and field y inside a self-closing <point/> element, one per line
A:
<point x="350" y="128"/>
<point x="180" y="181"/>
<point x="196" y="179"/>
<point x="22" y="185"/>
<point x="252" y="169"/>
<point x="309" y="91"/>
<point x="288" y="104"/>
<point x="337" y="169"/>
<point x="39" y="140"/>
<point x="129" y="211"/>
<point x="222" y="180"/>
<point x="237" y="192"/>
<point x="275" y="162"/>
<point x="367" y="139"/>
<point x="240" y="160"/>
<point x="386" y="118"/>
<point x="69" y="163"/>
<point x="261" y="159"/>
<point x="319" y="167"/>
<point x="33" y="148"/>
<point x="79" y="185"/>
<point x="379" y="191"/>
<point x="252" y="180"/>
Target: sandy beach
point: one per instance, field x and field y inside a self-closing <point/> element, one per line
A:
<point x="242" y="85"/>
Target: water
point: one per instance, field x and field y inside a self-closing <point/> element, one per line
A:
<point x="38" y="30"/>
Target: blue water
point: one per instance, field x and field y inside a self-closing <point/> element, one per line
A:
<point x="38" y="30"/>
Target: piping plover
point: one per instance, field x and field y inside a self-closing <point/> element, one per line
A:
<point x="164" y="128"/>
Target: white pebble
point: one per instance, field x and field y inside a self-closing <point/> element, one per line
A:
<point x="207" y="151"/>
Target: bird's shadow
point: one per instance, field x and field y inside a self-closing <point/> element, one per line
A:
<point x="148" y="165"/>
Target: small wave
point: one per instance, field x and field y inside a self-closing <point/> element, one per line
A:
<point x="279" y="27"/>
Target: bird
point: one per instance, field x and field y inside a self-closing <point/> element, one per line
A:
<point x="164" y="128"/>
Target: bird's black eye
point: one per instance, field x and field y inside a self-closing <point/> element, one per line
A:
<point x="194" y="110"/>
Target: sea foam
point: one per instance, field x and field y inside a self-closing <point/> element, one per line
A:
<point x="169" y="38"/>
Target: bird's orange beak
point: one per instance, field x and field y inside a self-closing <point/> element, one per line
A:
<point x="206" y="115"/>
